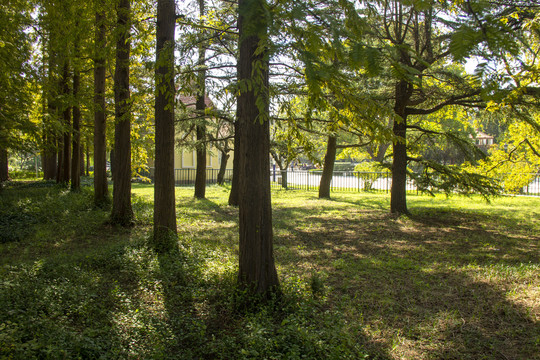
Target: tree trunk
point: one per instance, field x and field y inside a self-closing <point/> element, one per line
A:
<point x="122" y="213"/>
<point x="4" y="165"/>
<point x="49" y="155"/>
<point x="234" y="196"/>
<point x="60" y="159"/>
<point x="76" y="156"/>
<point x="398" y="194"/>
<point x="328" y="167"/>
<point x="87" y="158"/>
<point x="81" y="159"/>
<point x="257" y="271"/>
<point x="200" y="106"/>
<point x="200" y="172"/>
<point x="65" y="150"/>
<point x="222" y="167"/>
<point x="49" y="136"/>
<point x="164" y="197"/>
<point x="284" y="181"/>
<point x="101" y="189"/>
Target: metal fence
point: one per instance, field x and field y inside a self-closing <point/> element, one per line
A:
<point x="341" y="180"/>
<point x="360" y="181"/>
<point x="187" y="176"/>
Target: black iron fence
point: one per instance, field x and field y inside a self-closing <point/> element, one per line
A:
<point x="360" y="181"/>
<point x="310" y="180"/>
<point x="187" y="176"/>
<point x="341" y="180"/>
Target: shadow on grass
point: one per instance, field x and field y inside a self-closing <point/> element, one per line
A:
<point x="428" y="287"/>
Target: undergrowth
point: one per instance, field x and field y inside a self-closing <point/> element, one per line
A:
<point x="72" y="286"/>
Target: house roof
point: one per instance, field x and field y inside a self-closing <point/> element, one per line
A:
<point x="190" y="100"/>
<point x="481" y="135"/>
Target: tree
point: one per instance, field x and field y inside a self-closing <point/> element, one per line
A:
<point x="4" y="170"/>
<point x="413" y="37"/>
<point x="257" y="270"/>
<point x="328" y="169"/>
<point x="17" y="132"/>
<point x="122" y="212"/>
<point x="234" y="195"/>
<point x="164" y="198"/>
<point x="200" y="173"/>
<point x="101" y="189"/>
<point x="76" y="157"/>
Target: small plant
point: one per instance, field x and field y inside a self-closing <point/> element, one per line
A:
<point x="316" y="284"/>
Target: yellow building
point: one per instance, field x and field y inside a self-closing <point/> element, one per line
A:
<point x="185" y="164"/>
<point x="185" y="160"/>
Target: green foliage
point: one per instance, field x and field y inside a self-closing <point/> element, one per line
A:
<point x="17" y="131"/>
<point x="368" y="166"/>
<point x="453" y="179"/>
<point x="86" y="290"/>
<point x="515" y="161"/>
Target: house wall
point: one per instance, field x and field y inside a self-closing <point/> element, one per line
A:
<point x="185" y="163"/>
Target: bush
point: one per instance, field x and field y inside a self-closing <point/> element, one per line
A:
<point x="25" y="174"/>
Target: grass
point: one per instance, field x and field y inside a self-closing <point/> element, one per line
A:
<point x="458" y="279"/>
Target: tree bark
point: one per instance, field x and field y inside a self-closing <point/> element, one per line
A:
<point x="60" y="159"/>
<point x="398" y="194"/>
<point x="328" y="167"/>
<point x="164" y="197"/>
<point x="200" y="106"/>
<point x="81" y="159"/>
<point x="101" y="189"/>
<point x="64" y="165"/>
<point x="234" y="196"/>
<point x="122" y="213"/>
<point x="76" y="155"/>
<point x="87" y="169"/>
<point x="257" y="271"/>
<point x="49" y="137"/>
<point x="49" y="155"/>
<point x="284" y="180"/>
<point x="222" y="167"/>
<point x="4" y="165"/>
<point x="200" y="171"/>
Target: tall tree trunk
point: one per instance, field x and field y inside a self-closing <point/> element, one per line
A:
<point x="4" y="165"/>
<point x="64" y="153"/>
<point x="398" y="194"/>
<point x="328" y="167"/>
<point x="222" y="167"/>
<point x="200" y="171"/>
<point x="122" y="213"/>
<point x="101" y="190"/>
<point x="49" y="155"/>
<point x="76" y="155"/>
<point x="234" y="196"/>
<point x="60" y="159"/>
<point x="164" y="197"/>
<point x="257" y="271"/>
<point x="87" y="170"/>
<point x="200" y="106"/>
<point x="81" y="159"/>
<point x="49" y="136"/>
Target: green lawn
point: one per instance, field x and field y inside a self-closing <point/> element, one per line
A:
<point x="458" y="279"/>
